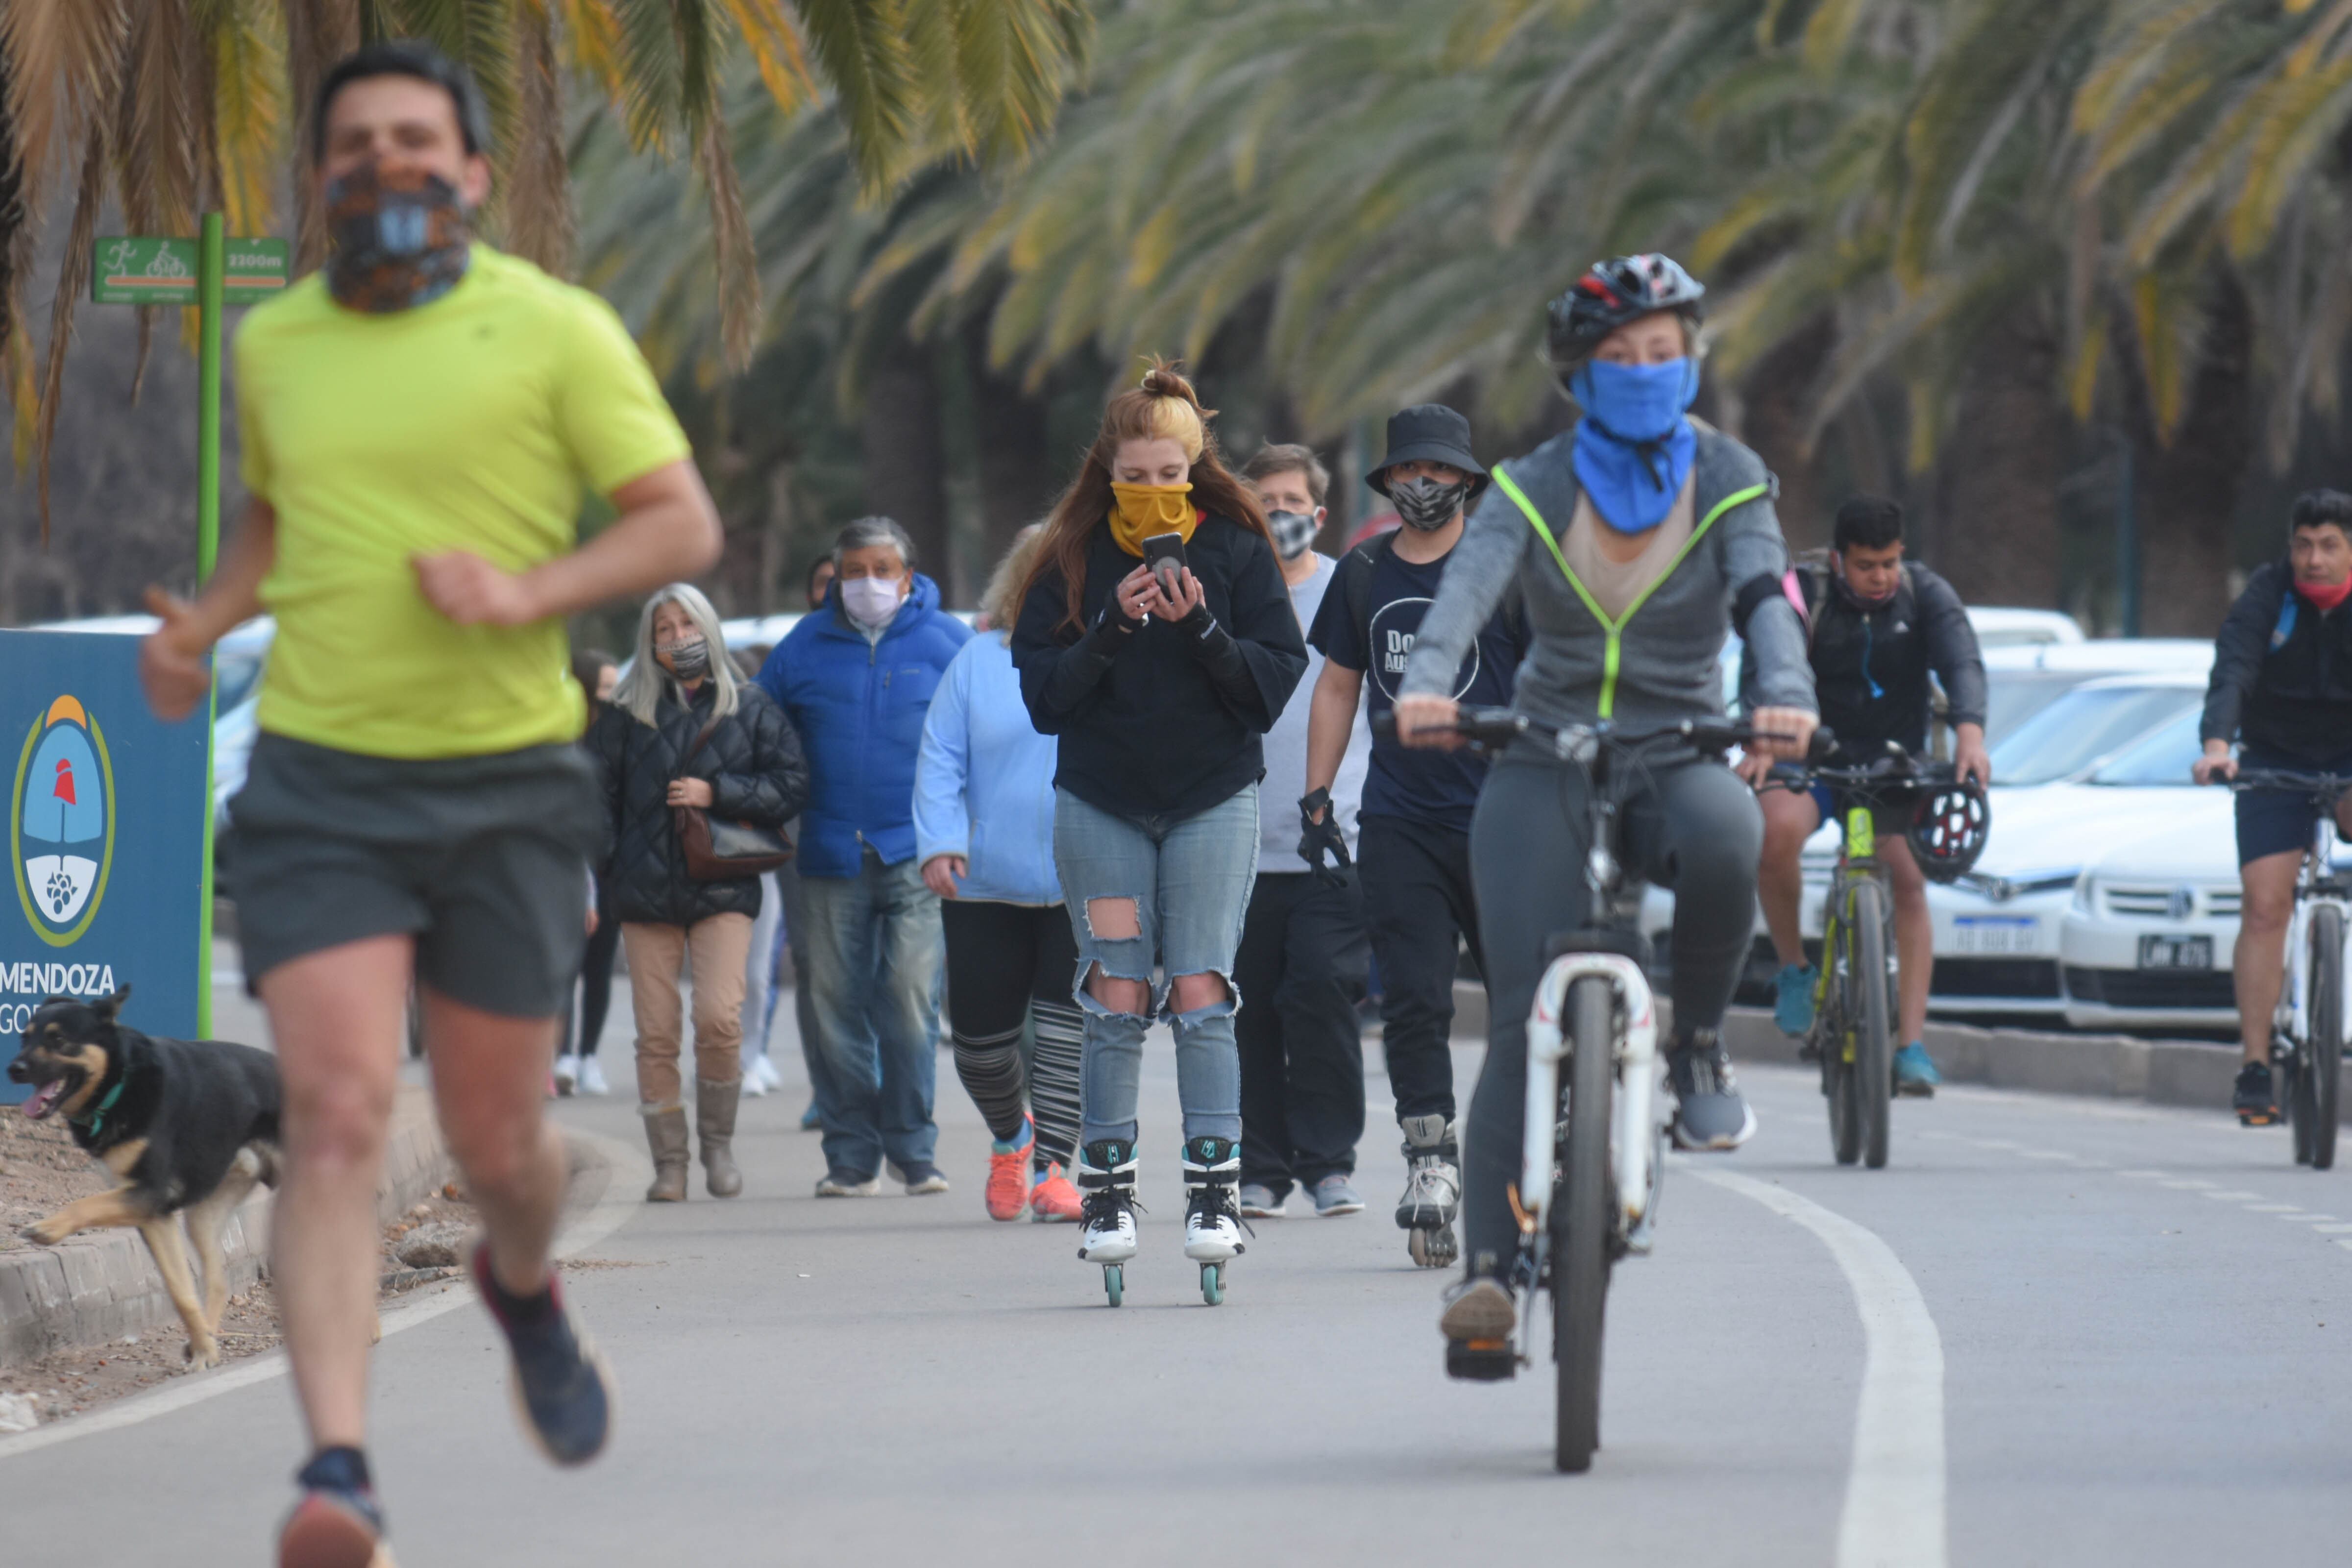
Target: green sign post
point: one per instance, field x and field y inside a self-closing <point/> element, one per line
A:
<point x="208" y="273"/>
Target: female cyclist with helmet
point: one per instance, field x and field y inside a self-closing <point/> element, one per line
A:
<point x="1630" y="539"/>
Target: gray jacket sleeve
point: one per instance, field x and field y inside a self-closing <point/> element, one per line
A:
<point x="1952" y="651"/>
<point x="1776" y="653"/>
<point x="1493" y="542"/>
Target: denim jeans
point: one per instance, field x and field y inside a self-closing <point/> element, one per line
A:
<point x="1190" y="881"/>
<point x="873" y="980"/>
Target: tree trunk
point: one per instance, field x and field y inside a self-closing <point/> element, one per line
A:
<point x="905" y="451"/>
<point x="1996" y="494"/>
<point x="1769" y="415"/>
<point x="1017" y="465"/>
<point x="2188" y="487"/>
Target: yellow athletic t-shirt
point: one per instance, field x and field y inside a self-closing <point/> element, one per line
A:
<point x="471" y="422"/>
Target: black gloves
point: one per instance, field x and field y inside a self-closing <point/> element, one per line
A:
<point x="1315" y="837"/>
<point x="1110" y="631"/>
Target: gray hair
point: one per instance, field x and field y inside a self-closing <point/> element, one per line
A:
<point x="868" y="532"/>
<point x="642" y="688"/>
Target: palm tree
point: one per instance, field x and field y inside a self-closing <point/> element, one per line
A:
<point x="173" y="107"/>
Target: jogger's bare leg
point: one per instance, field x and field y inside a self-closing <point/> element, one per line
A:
<point x="489" y="1084"/>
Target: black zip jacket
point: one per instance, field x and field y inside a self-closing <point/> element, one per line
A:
<point x="756" y="774"/>
<point x="1870" y="662"/>
<point x="1158" y="719"/>
<point x="2290" y="695"/>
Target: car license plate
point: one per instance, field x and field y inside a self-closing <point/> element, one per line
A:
<point x="2175" y="953"/>
<point x="1998" y="933"/>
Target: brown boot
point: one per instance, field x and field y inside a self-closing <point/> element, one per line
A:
<point x="666" y="1135"/>
<point x="714" y="1118"/>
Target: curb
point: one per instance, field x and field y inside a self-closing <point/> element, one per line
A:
<point x="2100" y="1067"/>
<point x="101" y="1285"/>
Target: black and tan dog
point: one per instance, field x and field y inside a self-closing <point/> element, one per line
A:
<point x="188" y="1127"/>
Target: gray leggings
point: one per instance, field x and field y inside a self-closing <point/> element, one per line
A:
<point x="1695" y="828"/>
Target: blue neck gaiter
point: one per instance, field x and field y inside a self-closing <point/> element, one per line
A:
<point x="1634" y="446"/>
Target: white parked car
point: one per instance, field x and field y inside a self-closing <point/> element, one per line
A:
<point x="2023" y="679"/>
<point x="2146" y="939"/>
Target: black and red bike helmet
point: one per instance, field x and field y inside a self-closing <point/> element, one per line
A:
<point x="1614" y="293"/>
<point x="1948" y="829"/>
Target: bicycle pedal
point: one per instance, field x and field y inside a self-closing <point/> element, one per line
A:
<point x="1481" y="1361"/>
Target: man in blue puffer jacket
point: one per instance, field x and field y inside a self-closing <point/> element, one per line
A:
<point x="857" y="677"/>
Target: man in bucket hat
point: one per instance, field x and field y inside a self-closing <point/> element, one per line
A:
<point x="1414" y="827"/>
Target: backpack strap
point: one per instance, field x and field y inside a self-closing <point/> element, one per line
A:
<point x="2286" y="619"/>
<point x="1358" y="588"/>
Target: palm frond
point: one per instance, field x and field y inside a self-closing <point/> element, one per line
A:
<point x="867" y="56"/>
<point x="62" y="56"/>
<point x="317" y="34"/>
<point x="249" y="85"/>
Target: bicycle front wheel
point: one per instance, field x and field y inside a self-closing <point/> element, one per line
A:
<point x="2323" y="1049"/>
<point x="1873" y="1070"/>
<point x="1579" y="1224"/>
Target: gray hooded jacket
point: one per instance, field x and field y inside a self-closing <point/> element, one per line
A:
<point x="1668" y="643"/>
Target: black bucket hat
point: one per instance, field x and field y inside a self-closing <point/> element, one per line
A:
<point x="1428" y="432"/>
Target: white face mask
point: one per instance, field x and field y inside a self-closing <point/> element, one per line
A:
<point x="872" y="601"/>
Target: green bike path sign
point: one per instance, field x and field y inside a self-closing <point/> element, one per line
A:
<point x="163" y="271"/>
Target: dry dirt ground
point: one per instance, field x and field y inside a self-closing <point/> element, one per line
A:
<point x="40" y="1172"/>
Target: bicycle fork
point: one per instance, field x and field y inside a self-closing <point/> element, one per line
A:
<point x="1633" y="1121"/>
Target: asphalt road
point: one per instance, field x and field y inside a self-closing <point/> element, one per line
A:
<point x="2089" y="1332"/>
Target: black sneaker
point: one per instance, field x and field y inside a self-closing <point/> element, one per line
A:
<point x="1708" y="1111"/>
<point x="2253" y="1098"/>
<point x="338" y="1523"/>
<point x="561" y="1388"/>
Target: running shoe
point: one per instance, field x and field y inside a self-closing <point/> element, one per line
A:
<point x="812" y="1119"/>
<point x="1708" y="1111"/>
<point x="1792" y="1007"/>
<point x="923" y="1180"/>
<point x="1334" y="1196"/>
<point x="592" y="1077"/>
<point x="1052" y="1196"/>
<point x="338" y="1523"/>
<point x="562" y="1389"/>
<point x="2253" y="1098"/>
<point x="1914" y="1071"/>
<point x="567" y="1073"/>
<point x="1007" y="1193"/>
<point x="1479" y="1312"/>
<point x="1259" y="1201"/>
<point x="752" y="1083"/>
<point x="848" y="1184"/>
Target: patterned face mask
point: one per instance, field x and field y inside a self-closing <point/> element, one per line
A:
<point x="1428" y="504"/>
<point x="1292" y="533"/>
<point x="398" y="240"/>
<point x="690" y="657"/>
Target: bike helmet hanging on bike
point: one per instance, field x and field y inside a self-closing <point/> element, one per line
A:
<point x="1614" y="293"/>
<point x="1948" y="829"/>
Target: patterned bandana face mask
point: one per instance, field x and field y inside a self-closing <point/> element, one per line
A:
<point x="398" y="240"/>
<point x="1427" y="504"/>
<point x="1292" y="533"/>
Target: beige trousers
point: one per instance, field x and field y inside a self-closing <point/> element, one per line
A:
<point x="720" y="948"/>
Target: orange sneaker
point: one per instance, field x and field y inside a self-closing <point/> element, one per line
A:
<point x="1008" y="1176"/>
<point x="1054" y="1198"/>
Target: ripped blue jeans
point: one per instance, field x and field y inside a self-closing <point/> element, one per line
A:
<point x="1189" y="881"/>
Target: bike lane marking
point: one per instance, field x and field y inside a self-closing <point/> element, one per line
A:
<point x="612" y="1210"/>
<point x="1895" y="1495"/>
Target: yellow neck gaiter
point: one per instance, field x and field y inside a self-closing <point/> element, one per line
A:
<point x="1139" y="512"/>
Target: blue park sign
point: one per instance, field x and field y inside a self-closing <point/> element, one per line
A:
<point x="107" y="813"/>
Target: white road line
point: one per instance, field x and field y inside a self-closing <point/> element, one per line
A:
<point x="2229" y="1197"/>
<point x="2333" y="1229"/>
<point x="2299" y="1217"/>
<point x="2141" y="1175"/>
<point x="2053" y="1155"/>
<point x="2274" y="1208"/>
<point x="2187" y="1184"/>
<point x="627" y="1167"/>
<point x="1894" y="1513"/>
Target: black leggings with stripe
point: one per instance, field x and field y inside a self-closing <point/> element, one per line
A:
<point x="1011" y="965"/>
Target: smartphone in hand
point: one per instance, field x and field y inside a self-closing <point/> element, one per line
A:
<point x="1165" y="554"/>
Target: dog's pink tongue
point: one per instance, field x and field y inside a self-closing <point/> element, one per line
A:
<point x="43" y="1098"/>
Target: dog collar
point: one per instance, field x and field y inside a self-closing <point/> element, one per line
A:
<point x="98" y="1118"/>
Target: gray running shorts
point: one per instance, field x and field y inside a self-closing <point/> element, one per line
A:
<point x="483" y="859"/>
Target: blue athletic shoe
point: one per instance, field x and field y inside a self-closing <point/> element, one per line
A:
<point x="561" y="1388"/>
<point x="1914" y="1071"/>
<point x="1794" y="1008"/>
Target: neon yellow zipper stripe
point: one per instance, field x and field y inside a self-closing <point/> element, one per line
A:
<point x="1611" y="630"/>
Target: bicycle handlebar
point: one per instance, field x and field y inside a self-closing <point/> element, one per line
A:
<point x="1894" y="767"/>
<point x="2335" y="787"/>
<point x="1491" y="729"/>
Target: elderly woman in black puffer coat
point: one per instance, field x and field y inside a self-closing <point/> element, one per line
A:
<point x="747" y="768"/>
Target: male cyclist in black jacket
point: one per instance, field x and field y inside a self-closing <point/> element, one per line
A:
<point x="1879" y="626"/>
<point x="2282" y="685"/>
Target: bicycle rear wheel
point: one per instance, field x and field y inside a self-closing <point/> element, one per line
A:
<point x="2323" y="1049"/>
<point x="1873" y="1054"/>
<point x="1579" y="1224"/>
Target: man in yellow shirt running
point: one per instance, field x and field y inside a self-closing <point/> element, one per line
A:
<point x="418" y="426"/>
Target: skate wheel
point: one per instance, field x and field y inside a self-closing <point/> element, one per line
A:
<point x="1213" y="1283"/>
<point x="1432" y="1248"/>
<point x="1114" y="1283"/>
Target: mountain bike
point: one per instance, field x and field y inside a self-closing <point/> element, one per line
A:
<point x="1856" y="987"/>
<point x="2307" y="1030"/>
<point x="1593" y="1153"/>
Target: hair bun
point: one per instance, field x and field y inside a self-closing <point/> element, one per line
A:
<point x="1163" y="380"/>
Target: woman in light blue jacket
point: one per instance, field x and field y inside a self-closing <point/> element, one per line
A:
<point x="984" y="835"/>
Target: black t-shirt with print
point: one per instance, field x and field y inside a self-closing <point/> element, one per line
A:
<point x="1367" y="623"/>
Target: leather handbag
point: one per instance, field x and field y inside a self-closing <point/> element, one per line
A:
<point x="719" y="850"/>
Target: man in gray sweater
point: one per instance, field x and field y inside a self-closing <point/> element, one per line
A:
<point x="1630" y="538"/>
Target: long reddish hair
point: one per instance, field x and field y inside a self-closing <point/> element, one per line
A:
<point x="1164" y="406"/>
